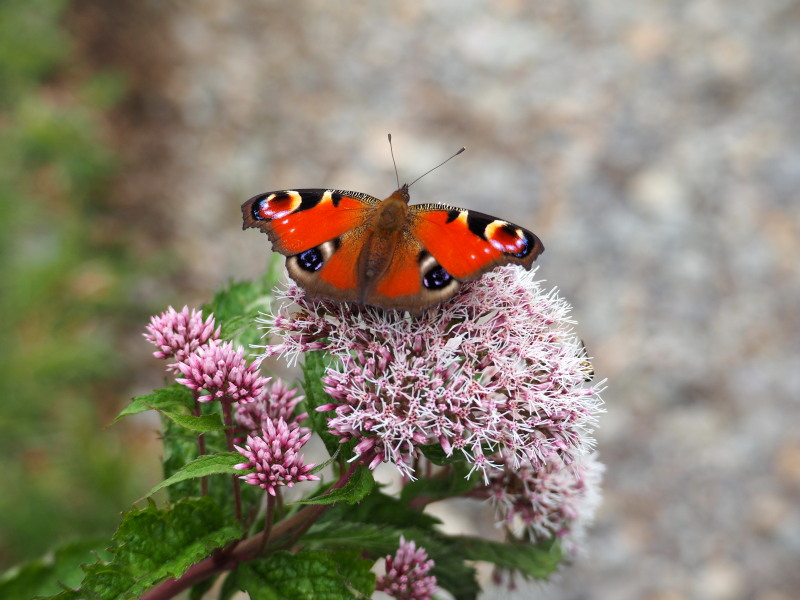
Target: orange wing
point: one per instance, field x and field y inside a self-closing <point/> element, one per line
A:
<point x="297" y="220"/>
<point x="467" y="243"/>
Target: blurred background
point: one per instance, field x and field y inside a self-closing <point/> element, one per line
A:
<point x="654" y="147"/>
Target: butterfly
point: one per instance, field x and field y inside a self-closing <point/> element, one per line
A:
<point x="350" y="246"/>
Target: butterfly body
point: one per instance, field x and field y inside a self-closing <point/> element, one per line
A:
<point x="349" y="246"/>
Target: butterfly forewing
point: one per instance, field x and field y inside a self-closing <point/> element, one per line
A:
<point x="468" y="243"/>
<point x="298" y="220"/>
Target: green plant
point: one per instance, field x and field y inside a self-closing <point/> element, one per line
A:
<point x="460" y="411"/>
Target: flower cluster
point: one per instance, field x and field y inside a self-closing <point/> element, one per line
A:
<point x="278" y="402"/>
<point x="179" y="334"/>
<point x="407" y="574"/>
<point x="495" y="371"/>
<point x="222" y="373"/>
<point x="554" y="501"/>
<point x="216" y="370"/>
<point x="275" y="456"/>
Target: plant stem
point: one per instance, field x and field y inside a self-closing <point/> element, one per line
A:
<point x="267" y="522"/>
<point x="228" y="420"/>
<point x="201" y="445"/>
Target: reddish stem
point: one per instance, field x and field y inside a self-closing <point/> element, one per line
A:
<point x="267" y="521"/>
<point x="228" y="420"/>
<point x="201" y="445"/>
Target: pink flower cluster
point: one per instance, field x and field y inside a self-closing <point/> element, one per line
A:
<point x="278" y="402"/>
<point x="275" y="456"/>
<point x="495" y="371"/>
<point x="215" y="370"/>
<point x="553" y="501"/>
<point x="178" y="334"/>
<point x="222" y="373"/>
<point x="407" y="574"/>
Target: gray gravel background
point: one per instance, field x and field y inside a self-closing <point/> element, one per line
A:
<point x="655" y="148"/>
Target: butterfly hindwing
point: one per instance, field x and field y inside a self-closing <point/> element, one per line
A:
<point x="414" y="280"/>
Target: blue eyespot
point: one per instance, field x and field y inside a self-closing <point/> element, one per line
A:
<point x="310" y="260"/>
<point x="436" y="278"/>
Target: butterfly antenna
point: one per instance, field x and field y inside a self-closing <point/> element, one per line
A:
<point x="393" y="161"/>
<point x="436" y="167"/>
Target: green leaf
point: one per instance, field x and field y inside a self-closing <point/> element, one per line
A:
<point x="180" y="447"/>
<point x="201" y="424"/>
<point x="154" y="544"/>
<point x="236" y="306"/>
<point x="166" y="399"/>
<point x="435" y="454"/>
<point x="359" y="486"/>
<point x="532" y="560"/>
<point x="46" y="576"/>
<point x="308" y="574"/>
<point x="314" y="366"/>
<point x="378" y="540"/>
<point x="381" y="509"/>
<point x="450" y="484"/>
<point x="382" y="513"/>
<point x="202" y="466"/>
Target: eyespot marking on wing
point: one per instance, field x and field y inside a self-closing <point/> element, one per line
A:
<point x="434" y="276"/>
<point x="311" y="260"/>
<point x="275" y="205"/>
<point x="508" y="238"/>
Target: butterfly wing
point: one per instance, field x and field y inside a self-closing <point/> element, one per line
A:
<point x="320" y="231"/>
<point x="444" y="246"/>
<point x="467" y="243"/>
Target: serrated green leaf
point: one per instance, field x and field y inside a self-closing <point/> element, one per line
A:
<point x="308" y="574"/>
<point x="357" y="488"/>
<point x="167" y="399"/>
<point x="154" y="544"/>
<point x="180" y="448"/>
<point x="202" y="466"/>
<point x="45" y="576"/>
<point x="314" y="366"/>
<point x="201" y="424"/>
<point x="532" y="560"/>
<point x="450" y="484"/>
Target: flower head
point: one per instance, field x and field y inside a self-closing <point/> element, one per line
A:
<point x="496" y="369"/>
<point x="407" y="574"/>
<point x="275" y="456"/>
<point x="222" y="372"/>
<point x="553" y="501"/>
<point x="278" y="402"/>
<point x="179" y="334"/>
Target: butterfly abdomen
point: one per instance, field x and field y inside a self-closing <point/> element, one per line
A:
<point x="390" y="220"/>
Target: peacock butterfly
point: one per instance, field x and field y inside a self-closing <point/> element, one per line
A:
<point x="350" y="246"/>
